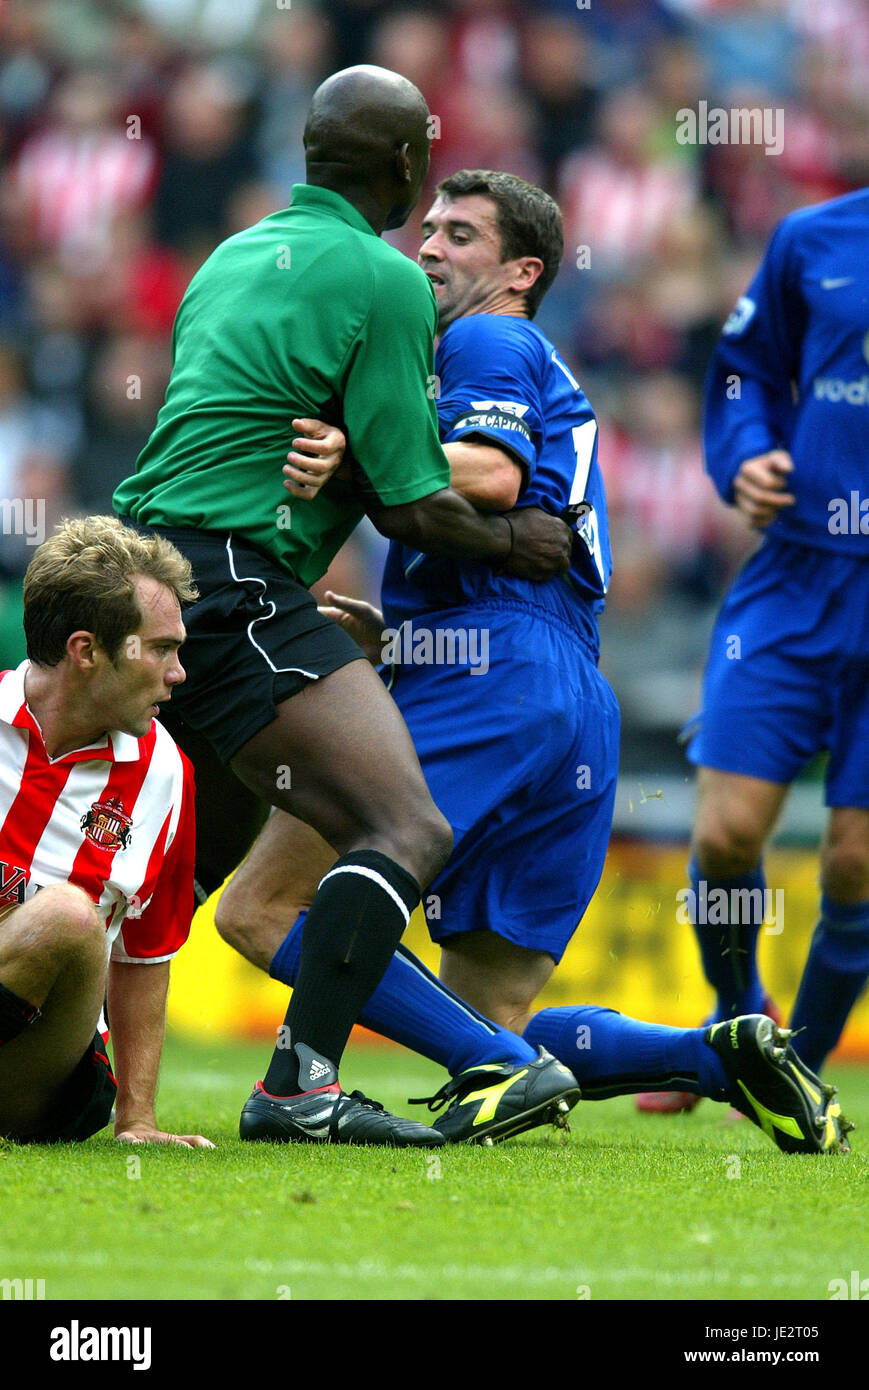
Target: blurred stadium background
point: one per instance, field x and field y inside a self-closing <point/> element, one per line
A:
<point x="137" y="134"/>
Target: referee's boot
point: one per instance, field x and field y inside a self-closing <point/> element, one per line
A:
<point x="775" y="1090"/>
<point x="328" y="1115"/>
<point x="500" y="1099"/>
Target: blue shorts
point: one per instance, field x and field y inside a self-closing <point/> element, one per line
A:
<point x="522" y="760"/>
<point x="788" y="672"/>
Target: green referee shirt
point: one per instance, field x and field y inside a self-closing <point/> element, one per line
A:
<point x="308" y="313"/>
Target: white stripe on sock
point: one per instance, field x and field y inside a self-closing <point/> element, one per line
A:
<point x="448" y="995"/>
<point x="375" y="878"/>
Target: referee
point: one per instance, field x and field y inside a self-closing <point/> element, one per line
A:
<point x="310" y="314"/>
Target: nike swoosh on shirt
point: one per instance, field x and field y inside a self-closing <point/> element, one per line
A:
<point x="836" y="284"/>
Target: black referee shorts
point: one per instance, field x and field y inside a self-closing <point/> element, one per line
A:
<point x="254" y="638"/>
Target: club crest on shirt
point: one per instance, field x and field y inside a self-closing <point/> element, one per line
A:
<point x="107" y="824"/>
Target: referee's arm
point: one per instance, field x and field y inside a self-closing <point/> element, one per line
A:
<point x="389" y="396"/>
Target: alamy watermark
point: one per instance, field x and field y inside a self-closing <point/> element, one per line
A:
<point x="741" y="125"/>
<point x="853" y="1288"/>
<point x="722" y="907"/>
<point x="26" y="1289"/>
<point x="23" y="516"/>
<point x="441" y="646"/>
<point x="77" y="1343"/>
<point x="849" y="516"/>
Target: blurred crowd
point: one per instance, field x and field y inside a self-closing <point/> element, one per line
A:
<point x="137" y="134"/>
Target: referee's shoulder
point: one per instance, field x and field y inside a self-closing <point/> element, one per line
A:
<point x="374" y="275"/>
<point x="396" y="272"/>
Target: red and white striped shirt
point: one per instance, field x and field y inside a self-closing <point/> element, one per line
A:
<point x="115" y="818"/>
<point x="74" y="185"/>
<point x="621" y="210"/>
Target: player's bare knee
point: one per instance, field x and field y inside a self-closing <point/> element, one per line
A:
<point x="517" y="1021"/>
<point x="234" y="916"/>
<point x="433" y="844"/>
<point x="726" y="851"/>
<point x="417" y="836"/>
<point x="70" y="916"/>
<point x="226" y="924"/>
<point x="845" y="872"/>
<point x="63" y="928"/>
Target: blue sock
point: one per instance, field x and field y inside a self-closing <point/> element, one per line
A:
<point x="726" y="928"/>
<point x="833" y="979"/>
<point x="613" y="1055"/>
<point x="411" y="1006"/>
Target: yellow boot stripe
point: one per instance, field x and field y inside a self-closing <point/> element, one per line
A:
<point x="815" y="1095"/>
<point x="830" y="1135"/>
<point x="491" y="1097"/>
<point x="769" y="1119"/>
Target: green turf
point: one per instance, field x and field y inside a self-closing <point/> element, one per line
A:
<point x="631" y="1206"/>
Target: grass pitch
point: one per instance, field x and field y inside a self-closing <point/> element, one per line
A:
<point x="630" y="1206"/>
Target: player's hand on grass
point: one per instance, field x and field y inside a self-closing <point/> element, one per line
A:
<point x="362" y="620"/>
<point x="759" y="487"/>
<point x="316" y="454"/>
<point x="542" y="545"/>
<point x="143" y="1134"/>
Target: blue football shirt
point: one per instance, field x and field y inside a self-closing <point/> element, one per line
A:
<point x="502" y="382"/>
<point x="791" y="371"/>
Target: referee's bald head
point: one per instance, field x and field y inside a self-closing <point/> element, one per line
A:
<point x="367" y="137"/>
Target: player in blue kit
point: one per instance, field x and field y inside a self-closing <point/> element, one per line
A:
<point x="516" y="730"/>
<point x="787" y="442"/>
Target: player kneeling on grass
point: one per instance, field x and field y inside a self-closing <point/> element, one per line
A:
<point x="747" y="1062"/>
<point x="96" y="836"/>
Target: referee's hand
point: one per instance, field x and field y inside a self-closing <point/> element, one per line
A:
<point x="542" y="545"/>
<point x="759" y="487"/>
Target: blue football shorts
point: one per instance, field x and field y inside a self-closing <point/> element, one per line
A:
<point x="522" y="759"/>
<point x="788" y="672"/>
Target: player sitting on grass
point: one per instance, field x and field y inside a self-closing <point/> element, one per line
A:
<point x="520" y="750"/>
<point x="96" y="836"/>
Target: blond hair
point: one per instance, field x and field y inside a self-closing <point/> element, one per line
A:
<point x="81" y="579"/>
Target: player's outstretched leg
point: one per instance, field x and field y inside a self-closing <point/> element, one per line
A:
<point x="746" y="1061"/>
<point x="611" y="1054"/>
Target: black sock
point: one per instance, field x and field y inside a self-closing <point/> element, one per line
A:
<point x="353" y="926"/>
<point x="15" y="1015"/>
